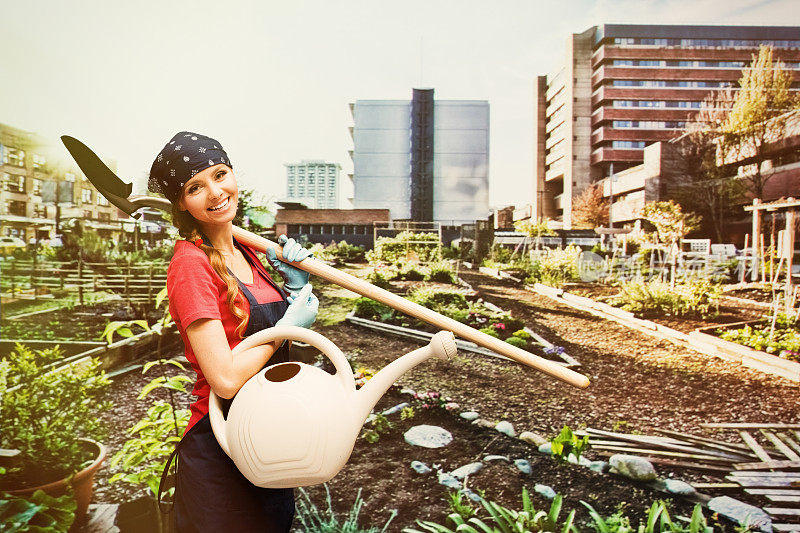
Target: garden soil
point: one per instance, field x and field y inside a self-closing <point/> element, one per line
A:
<point x="639" y="383"/>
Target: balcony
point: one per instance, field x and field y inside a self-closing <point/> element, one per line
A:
<point x="608" y="53"/>
<point x="607" y="114"/>
<point x="608" y="93"/>
<point x="665" y="73"/>
<point x="613" y="155"/>
<point x="632" y="134"/>
<point x="556" y="173"/>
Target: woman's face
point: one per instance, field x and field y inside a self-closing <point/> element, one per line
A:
<point x="211" y="196"/>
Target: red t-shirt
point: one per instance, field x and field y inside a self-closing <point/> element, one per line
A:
<point x="196" y="291"/>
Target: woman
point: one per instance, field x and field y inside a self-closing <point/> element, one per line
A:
<point x="219" y="293"/>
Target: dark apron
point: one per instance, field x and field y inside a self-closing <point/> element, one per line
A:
<point x="211" y="495"/>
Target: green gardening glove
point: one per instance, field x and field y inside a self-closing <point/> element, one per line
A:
<point x="294" y="278"/>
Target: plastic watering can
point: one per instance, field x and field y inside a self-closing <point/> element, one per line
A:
<point x="293" y="424"/>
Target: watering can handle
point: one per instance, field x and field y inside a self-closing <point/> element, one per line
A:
<point x="293" y="333"/>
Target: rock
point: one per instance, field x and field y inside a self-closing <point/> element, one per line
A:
<point x="583" y="461"/>
<point x="681" y="488"/>
<point x="410" y="392"/>
<point x="532" y="438"/>
<point x="428" y="436"/>
<point x="490" y="458"/>
<point x="452" y="406"/>
<point x="633" y="467"/>
<point x="471" y="495"/>
<point x="420" y="468"/>
<point x="469" y="415"/>
<point x="740" y="512"/>
<point x="546" y="448"/>
<point x="467" y="470"/>
<point x="524" y="466"/>
<point x="599" y="466"/>
<point x="482" y="423"/>
<point x="396" y="409"/>
<point x="545" y="491"/>
<point x="506" y="428"/>
<point x="449" y="481"/>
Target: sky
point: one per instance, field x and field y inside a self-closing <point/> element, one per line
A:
<point x="272" y="80"/>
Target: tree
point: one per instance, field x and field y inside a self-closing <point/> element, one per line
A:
<point x="671" y="224"/>
<point x="590" y="208"/>
<point x="758" y="116"/>
<point x="251" y="205"/>
<point x="702" y="186"/>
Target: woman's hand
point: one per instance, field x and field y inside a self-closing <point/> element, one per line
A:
<point x="302" y="311"/>
<point x="294" y="278"/>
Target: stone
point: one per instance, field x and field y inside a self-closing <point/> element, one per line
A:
<point x="482" y="423"/>
<point x="546" y="448"/>
<point x="428" y="436"/>
<point x="471" y="495"/>
<point x="544" y="490"/>
<point x="740" y="512"/>
<point x="532" y="438"/>
<point x="420" y="468"/>
<point x="506" y="428"/>
<point x="469" y="415"/>
<point x="632" y="467"/>
<point x="396" y="409"/>
<point x="681" y="488"/>
<point x="523" y="466"/>
<point x="490" y="458"/>
<point x="599" y="466"/>
<point x="583" y="461"/>
<point x="466" y="470"/>
<point x="410" y="392"/>
<point x="449" y="481"/>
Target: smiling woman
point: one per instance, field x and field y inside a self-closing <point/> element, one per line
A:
<point x="220" y="293"/>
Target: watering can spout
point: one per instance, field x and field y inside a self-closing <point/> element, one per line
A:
<point x="442" y="345"/>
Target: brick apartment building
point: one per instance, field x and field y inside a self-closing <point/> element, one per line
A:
<point x="624" y="87"/>
<point x="356" y="226"/>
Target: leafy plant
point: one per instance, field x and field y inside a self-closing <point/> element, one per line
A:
<point x="46" y="411"/>
<point x="422" y="247"/>
<point x="567" y="443"/>
<point x="122" y="328"/>
<point x="782" y="340"/>
<point x="38" y="513"/>
<point x="507" y="520"/>
<point x="142" y="458"/>
<point x="407" y="413"/>
<point x="317" y="520"/>
<point x="441" y="272"/>
<point x="694" y="297"/>
<point x="379" y="424"/>
<point x="517" y="341"/>
<point x="657" y="520"/>
<point x="461" y="505"/>
<point x="522" y="334"/>
<point x="368" y="308"/>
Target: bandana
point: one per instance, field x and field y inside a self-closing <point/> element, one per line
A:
<point x="184" y="156"/>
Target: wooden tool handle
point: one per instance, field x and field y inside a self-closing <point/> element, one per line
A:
<point x="364" y="288"/>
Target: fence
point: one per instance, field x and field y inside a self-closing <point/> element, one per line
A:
<point x="32" y="280"/>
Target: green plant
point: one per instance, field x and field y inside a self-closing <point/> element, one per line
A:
<point x="311" y="518"/>
<point x="782" y="340"/>
<point x="567" y="443"/>
<point x="461" y="505"/>
<point x="438" y="299"/>
<point x="122" y="328"/>
<point x="441" y="272"/>
<point x="657" y="520"/>
<point x="46" y="410"/>
<point x="39" y="513"/>
<point x="368" y="308"/>
<point x="698" y="297"/>
<point x="379" y="424"/>
<point x="507" y="520"/>
<point x="143" y="457"/>
<point x="522" y="334"/>
<point x="517" y="341"/>
<point x="422" y="247"/>
<point x="490" y="331"/>
<point x="407" y="413"/>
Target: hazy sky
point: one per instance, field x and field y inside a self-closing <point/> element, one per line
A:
<point x="272" y="80"/>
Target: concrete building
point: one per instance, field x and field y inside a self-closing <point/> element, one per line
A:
<point x="314" y="183"/>
<point x="356" y="226"/>
<point x="425" y="160"/>
<point x="624" y="87"/>
<point x="43" y="188"/>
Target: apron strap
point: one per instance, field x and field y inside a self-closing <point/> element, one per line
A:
<point x="164" y="474"/>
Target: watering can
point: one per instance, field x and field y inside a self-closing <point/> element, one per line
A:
<point x="293" y="424"/>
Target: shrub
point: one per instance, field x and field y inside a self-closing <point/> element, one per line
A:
<point x="441" y="272"/>
<point x="438" y="299"/>
<point x="490" y="331"/>
<point x="516" y="341"/>
<point x="694" y="297"/>
<point x="424" y="247"/>
<point x="381" y="278"/>
<point x="784" y="340"/>
<point x="522" y="334"/>
<point x="410" y="272"/>
<point x="368" y="308"/>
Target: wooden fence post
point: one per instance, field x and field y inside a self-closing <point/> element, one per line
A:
<point x="80" y="279"/>
<point x="150" y="287"/>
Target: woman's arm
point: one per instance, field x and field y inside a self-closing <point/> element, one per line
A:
<point x="226" y="374"/>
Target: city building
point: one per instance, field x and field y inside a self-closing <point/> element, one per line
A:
<point x="623" y="87"/>
<point x="43" y="189"/>
<point x="313" y="183"/>
<point x="424" y="160"/>
<point x="356" y="226"/>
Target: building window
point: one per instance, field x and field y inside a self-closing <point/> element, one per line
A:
<point x="69" y="176"/>
<point x="104" y="217"/>
<point x="86" y="196"/>
<point x="14" y="157"/>
<point x="727" y="43"/>
<point x="13" y="182"/>
<point x="14" y="207"/>
<point x="628" y="145"/>
<point x="87" y="214"/>
<point x="37" y="187"/>
<point x="39" y="211"/>
<point x="38" y="162"/>
<point x="102" y="201"/>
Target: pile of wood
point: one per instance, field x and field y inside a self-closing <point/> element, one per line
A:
<point x="770" y="469"/>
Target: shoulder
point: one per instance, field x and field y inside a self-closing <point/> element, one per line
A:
<point x="189" y="262"/>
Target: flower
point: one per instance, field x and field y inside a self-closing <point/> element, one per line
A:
<point x="499" y="325"/>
